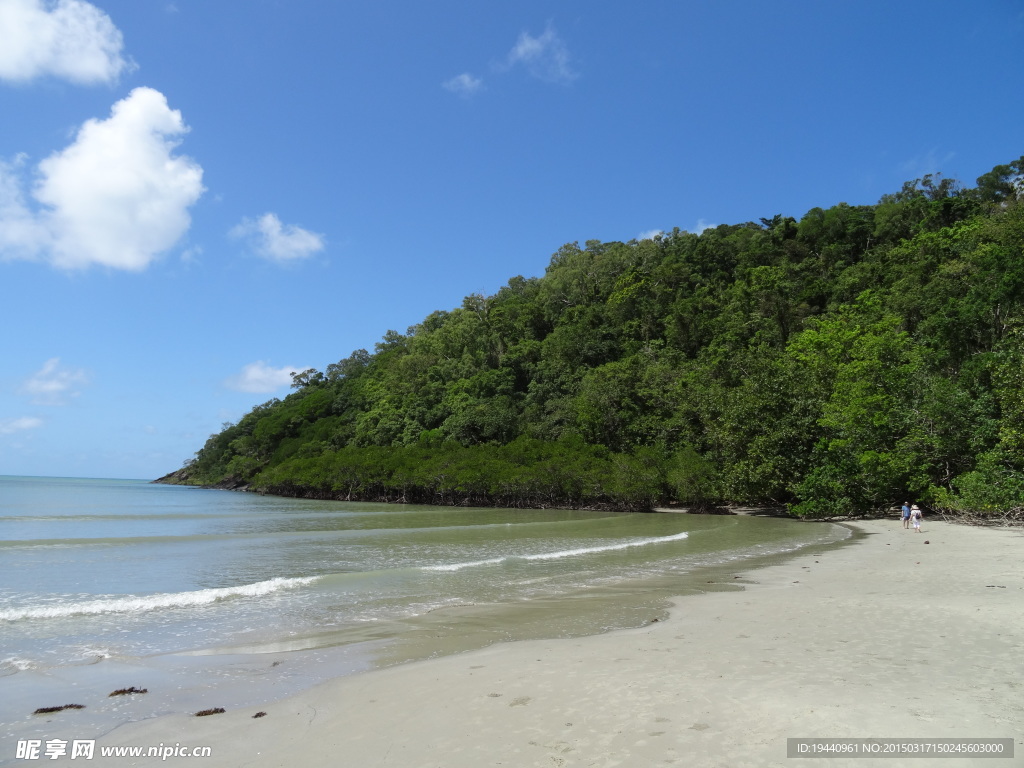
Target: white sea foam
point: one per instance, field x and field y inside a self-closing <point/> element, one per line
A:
<point x="560" y="553"/>
<point x="136" y="604"/>
<point x="604" y="548"/>
<point x="460" y="566"/>
<point x="13" y="664"/>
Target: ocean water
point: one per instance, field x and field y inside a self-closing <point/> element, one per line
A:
<point x="217" y="598"/>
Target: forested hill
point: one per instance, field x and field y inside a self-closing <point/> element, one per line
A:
<point x="856" y="358"/>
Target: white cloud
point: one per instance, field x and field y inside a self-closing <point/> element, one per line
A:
<point x="650" y="234"/>
<point x="22" y="235"/>
<point x="701" y="225"/>
<point x="260" y="377"/>
<point x="70" y="39"/>
<point x="53" y="384"/>
<point x="464" y="84"/>
<point x="545" y="57"/>
<point x="273" y="240"/>
<point x="116" y="197"/>
<point x="20" y="424"/>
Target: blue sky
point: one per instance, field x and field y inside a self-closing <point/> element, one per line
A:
<point x="197" y="197"/>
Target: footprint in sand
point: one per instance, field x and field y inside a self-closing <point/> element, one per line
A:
<point x="520" y="701"/>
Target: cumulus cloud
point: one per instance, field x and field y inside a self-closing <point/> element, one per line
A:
<point x="464" y="84"/>
<point x="546" y="57"/>
<point x="702" y="225"/>
<point x="69" y="39"/>
<point x="20" y="424"/>
<point x="650" y="234"/>
<point x="272" y="240"/>
<point x="54" y="384"/>
<point x="117" y="196"/>
<point x="260" y="377"/>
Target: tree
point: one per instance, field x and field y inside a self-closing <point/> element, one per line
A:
<point x="831" y="363"/>
<point x="1003" y="183"/>
<point x="306" y="378"/>
<point x="871" y="448"/>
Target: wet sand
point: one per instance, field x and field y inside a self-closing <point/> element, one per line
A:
<point x="899" y="635"/>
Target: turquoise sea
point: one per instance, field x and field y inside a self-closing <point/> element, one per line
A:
<point x="218" y="598"/>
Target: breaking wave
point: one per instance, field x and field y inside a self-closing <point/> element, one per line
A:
<point x="138" y="604"/>
<point x="560" y="553"/>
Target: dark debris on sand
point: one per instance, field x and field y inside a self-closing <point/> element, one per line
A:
<point x="126" y="691"/>
<point x="48" y="710"/>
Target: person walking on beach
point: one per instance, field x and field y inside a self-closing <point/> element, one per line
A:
<point x="915" y="517"/>
<point x="905" y="511"/>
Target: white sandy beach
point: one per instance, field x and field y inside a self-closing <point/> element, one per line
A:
<point x="898" y="635"/>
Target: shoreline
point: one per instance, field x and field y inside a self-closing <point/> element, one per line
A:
<point x="888" y="637"/>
